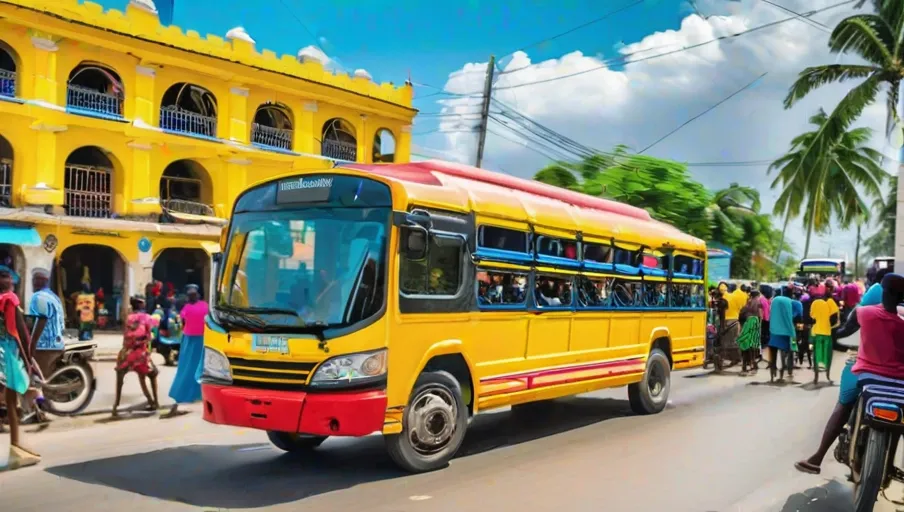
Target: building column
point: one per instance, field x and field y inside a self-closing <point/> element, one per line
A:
<point x="237" y="182"/>
<point x="239" y="127"/>
<point x="46" y="80"/>
<point x="45" y="186"/>
<point x="306" y="134"/>
<point x="142" y="196"/>
<point x="403" y="146"/>
<point x="145" y="111"/>
<point x="364" y="152"/>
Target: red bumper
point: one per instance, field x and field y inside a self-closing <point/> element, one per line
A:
<point x="325" y="414"/>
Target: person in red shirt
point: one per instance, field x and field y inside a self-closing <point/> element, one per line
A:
<point x="881" y="353"/>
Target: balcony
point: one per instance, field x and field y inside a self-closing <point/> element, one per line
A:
<point x="189" y="207"/>
<point x="6" y="182"/>
<point x="7" y="83"/>
<point x="88" y="191"/>
<point x="82" y="100"/>
<point x="179" y="120"/>
<point x="280" y="138"/>
<point x="339" y="150"/>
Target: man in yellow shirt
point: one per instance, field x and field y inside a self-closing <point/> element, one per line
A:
<point x="824" y="313"/>
<point x="736" y="301"/>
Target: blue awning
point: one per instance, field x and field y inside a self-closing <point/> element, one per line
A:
<point x="19" y="235"/>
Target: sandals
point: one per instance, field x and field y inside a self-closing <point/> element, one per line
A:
<point x="21" y="458"/>
<point x="805" y="467"/>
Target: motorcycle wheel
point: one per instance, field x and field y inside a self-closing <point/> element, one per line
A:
<point x="874" y="460"/>
<point x="76" y="376"/>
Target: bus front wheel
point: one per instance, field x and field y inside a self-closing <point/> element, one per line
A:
<point x="651" y="395"/>
<point x="433" y="426"/>
<point x="294" y="443"/>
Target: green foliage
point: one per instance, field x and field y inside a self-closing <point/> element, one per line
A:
<point x="882" y="242"/>
<point x="665" y="189"/>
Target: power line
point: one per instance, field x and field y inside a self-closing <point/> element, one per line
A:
<point x="605" y="64"/>
<point x="807" y="21"/>
<point x="701" y="114"/>
<point x="303" y="25"/>
<point x="581" y="26"/>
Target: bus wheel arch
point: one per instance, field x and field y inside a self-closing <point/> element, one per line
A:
<point x="456" y="365"/>
<point x="663" y="341"/>
<point x="651" y="394"/>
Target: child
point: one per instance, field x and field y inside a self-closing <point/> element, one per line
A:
<point x="135" y="354"/>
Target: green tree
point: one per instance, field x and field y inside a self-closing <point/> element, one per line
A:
<point x="728" y="210"/>
<point x="882" y="242"/>
<point x="825" y="182"/>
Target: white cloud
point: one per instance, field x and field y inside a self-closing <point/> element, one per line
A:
<point x="643" y="101"/>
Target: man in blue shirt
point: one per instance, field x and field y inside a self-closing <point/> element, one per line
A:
<point x="48" y="309"/>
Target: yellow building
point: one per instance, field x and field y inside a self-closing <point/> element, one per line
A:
<point x="123" y="143"/>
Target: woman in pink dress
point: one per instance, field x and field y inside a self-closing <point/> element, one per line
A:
<point x="186" y="388"/>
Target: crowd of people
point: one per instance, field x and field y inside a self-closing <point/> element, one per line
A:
<point x="751" y="323"/>
<point x="28" y="352"/>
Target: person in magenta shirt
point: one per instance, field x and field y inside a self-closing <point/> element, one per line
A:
<point x="881" y="354"/>
<point x="850" y="297"/>
<point x="186" y="388"/>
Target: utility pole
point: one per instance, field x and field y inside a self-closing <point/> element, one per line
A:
<point x="485" y="110"/>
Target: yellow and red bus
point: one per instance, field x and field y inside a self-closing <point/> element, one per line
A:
<point x="405" y="298"/>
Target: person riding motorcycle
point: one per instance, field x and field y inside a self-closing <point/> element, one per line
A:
<point x="881" y="353"/>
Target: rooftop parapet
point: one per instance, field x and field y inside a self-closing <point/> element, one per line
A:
<point x="141" y="21"/>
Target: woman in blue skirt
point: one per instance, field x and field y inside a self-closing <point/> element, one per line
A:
<point x="186" y="388"/>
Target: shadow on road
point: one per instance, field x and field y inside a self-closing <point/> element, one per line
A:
<point x="833" y="496"/>
<point x="256" y="475"/>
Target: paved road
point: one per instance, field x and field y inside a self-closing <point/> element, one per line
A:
<point x="724" y="444"/>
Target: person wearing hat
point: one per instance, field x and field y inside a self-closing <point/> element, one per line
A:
<point x="15" y="377"/>
<point x="881" y="354"/>
<point x="186" y="388"/>
<point x="48" y="331"/>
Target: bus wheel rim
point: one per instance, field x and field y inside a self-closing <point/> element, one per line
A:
<point x="431" y="420"/>
<point x="656" y="381"/>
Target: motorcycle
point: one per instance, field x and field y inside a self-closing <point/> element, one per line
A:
<point x="870" y="440"/>
<point x="71" y="385"/>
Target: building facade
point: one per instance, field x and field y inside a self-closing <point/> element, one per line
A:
<point x="123" y="143"/>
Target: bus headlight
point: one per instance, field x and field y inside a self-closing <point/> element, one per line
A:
<point x="351" y="369"/>
<point x="216" y="367"/>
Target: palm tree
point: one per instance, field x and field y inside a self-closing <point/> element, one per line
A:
<point x="824" y="182"/>
<point x="882" y="242"/>
<point x="728" y="210"/>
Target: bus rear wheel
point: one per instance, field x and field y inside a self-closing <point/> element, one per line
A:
<point x="294" y="443"/>
<point x="433" y="426"/>
<point x="651" y="395"/>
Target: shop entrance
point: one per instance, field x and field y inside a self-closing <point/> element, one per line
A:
<point x="182" y="267"/>
<point x="13" y="257"/>
<point x="103" y="271"/>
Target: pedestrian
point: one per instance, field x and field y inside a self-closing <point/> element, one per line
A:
<point x="47" y="307"/>
<point x="825" y="314"/>
<point x="782" y="334"/>
<point x="850" y="298"/>
<point x="135" y="355"/>
<point x="186" y="387"/>
<point x="15" y="378"/>
<point x="803" y="332"/>
<point x="879" y="355"/>
<point x="85" y="304"/>
<point x="749" y="339"/>
<point x="731" y="329"/>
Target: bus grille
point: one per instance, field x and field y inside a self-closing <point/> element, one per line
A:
<point x="262" y="374"/>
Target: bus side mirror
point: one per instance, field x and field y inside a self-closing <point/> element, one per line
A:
<point x="413" y="242"/>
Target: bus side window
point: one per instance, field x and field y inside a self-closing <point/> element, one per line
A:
<point x="594" y="292"/>
<point x="553" y="291"/>
<point x="437" y="274"/>
<point x="501" y="288"/>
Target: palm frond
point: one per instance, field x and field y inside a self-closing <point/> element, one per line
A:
<point x="866" y="35"/>
<point x="815" y="77"/>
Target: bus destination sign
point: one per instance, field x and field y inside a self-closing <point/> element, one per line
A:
<point x="304" y="190"/>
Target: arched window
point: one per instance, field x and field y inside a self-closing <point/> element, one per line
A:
<point x="8" y="70"/>
<point x="339" y="140"/>
<point x="190" y="109"/>
<point x="273" y="126"/>
<point x="94" y="90"/>
<point x="384" y="146"/>
<point x="185" y="187"/>
<point x="88" y="187"/>
<point x="6" y="173"/>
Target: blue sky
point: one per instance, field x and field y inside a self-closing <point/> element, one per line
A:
<point x="427" y="39"/>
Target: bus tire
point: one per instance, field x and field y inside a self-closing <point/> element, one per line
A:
<point x="294" y="443"/>
<point x="437" y="412"/>
<point x="651" y="395"/>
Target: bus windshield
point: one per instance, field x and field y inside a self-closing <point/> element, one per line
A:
<point x="314" y="267"/>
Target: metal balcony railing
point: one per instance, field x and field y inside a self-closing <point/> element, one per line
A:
<point x="339" y="150"/>
<point x="92" y="101"/>
<point x="6" y="182"/>
<point x="186" y="206"/>
<point x="179" y="120"/>
<point x="88" y="191"/>
<point x="7" y="83"/>
<point x="271" y="137"/>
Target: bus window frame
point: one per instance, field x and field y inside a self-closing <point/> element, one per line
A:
<point x="535" y="306"/>
<point x="490" y="253"/>
<point x="524" y="306"/>
<point x="545" y="259"/>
